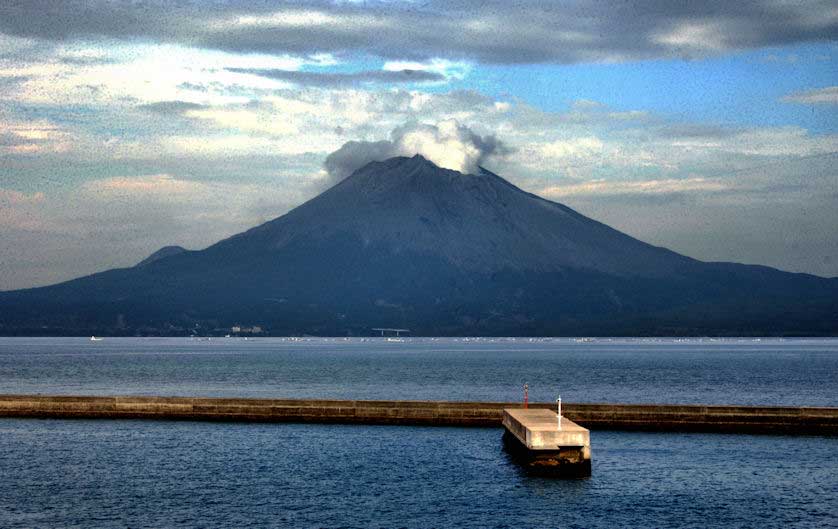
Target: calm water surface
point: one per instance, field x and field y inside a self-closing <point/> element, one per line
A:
<point x="56" y="473"/>
<point x="768" y="371"/>
<point x="169" y="474"/>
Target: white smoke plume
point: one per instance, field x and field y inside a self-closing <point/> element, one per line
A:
<point x="448" y="144"/>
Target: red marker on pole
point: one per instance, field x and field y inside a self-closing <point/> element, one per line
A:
<point x="526" y="396"/>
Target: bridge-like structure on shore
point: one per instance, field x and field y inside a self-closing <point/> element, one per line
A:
<point x="394" y="332"/>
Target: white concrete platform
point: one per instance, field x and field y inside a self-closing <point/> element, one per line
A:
<point x="537" y="429"/>
<point x="542" y="446"/>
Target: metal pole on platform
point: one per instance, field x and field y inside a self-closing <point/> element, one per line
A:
<point x="559" y="411"/>
<point x="526" y="396"/>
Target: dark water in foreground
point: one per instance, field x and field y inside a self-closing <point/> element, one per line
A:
<point x="767" y="371"/>
<point x="170" y="474"/>
<point x="167" y="474"/>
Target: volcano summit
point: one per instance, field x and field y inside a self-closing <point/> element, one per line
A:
<point x="404" y="243"/>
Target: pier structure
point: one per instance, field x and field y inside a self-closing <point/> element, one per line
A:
<point x="787" y="420"/>
<point x="545" y="446"/>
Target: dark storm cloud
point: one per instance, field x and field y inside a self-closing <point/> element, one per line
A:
<point x="68" y="19"/>
<point x="490" y="31"/>
<point x="343" y="79"/>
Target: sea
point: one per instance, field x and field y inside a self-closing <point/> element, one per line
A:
<point x="87" y="473"/>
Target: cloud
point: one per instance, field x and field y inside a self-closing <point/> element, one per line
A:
<point x="355" y="154"/>
<point x="141" y="73"/>
<point x="779" y="214"/>
<point x="448" y="144"/>
<point x="9" y="81"/>
<point x="773" y="142"/>
<point x="13" y="139"/>
<point x="163" y="186"/>
<point x="572" y="148"/>
<point x="29" y="137"/>
<point x="171" y="107"/>
<point x="132" y="179"/>
<point x="11" y="197"/>
<point x="697" y="130"/>
<point x="818" y="96"/>
<point x="594" y="158"/>
<point x="447" y="69"/>
<point x="342" y="79"/>
<point x="489" y="31"/>
<point x="696" y="38"/>
<point x="652" y="187"/>
<point x="790" y="58"/>
<point x="83" y="56"/>
<point x="117" y="221"/>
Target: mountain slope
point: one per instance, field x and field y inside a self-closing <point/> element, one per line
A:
<point x="479" y="223"/>
<point x="405" y="243"/>
<point x="166" y="251"/>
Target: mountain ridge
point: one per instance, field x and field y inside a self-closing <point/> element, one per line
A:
<point x="162" y="253"/>
<point x="424" y="187"/>
<point x="407" y="244"/>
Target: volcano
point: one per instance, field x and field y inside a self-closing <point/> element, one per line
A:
<point x="404" y="243"/>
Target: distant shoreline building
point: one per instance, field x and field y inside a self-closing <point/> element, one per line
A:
<point x="238" y="329"/>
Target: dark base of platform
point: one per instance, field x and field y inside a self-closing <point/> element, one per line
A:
<point x="560" y="463"/>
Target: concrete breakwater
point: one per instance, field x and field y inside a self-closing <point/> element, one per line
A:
<point x="651" y="417"/>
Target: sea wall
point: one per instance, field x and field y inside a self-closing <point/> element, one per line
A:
<point x="650" y="417"/>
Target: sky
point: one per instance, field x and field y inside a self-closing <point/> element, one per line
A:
<point x="710" y="128"/>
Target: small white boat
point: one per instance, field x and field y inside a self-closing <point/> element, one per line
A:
<point x="94" y="339"/>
